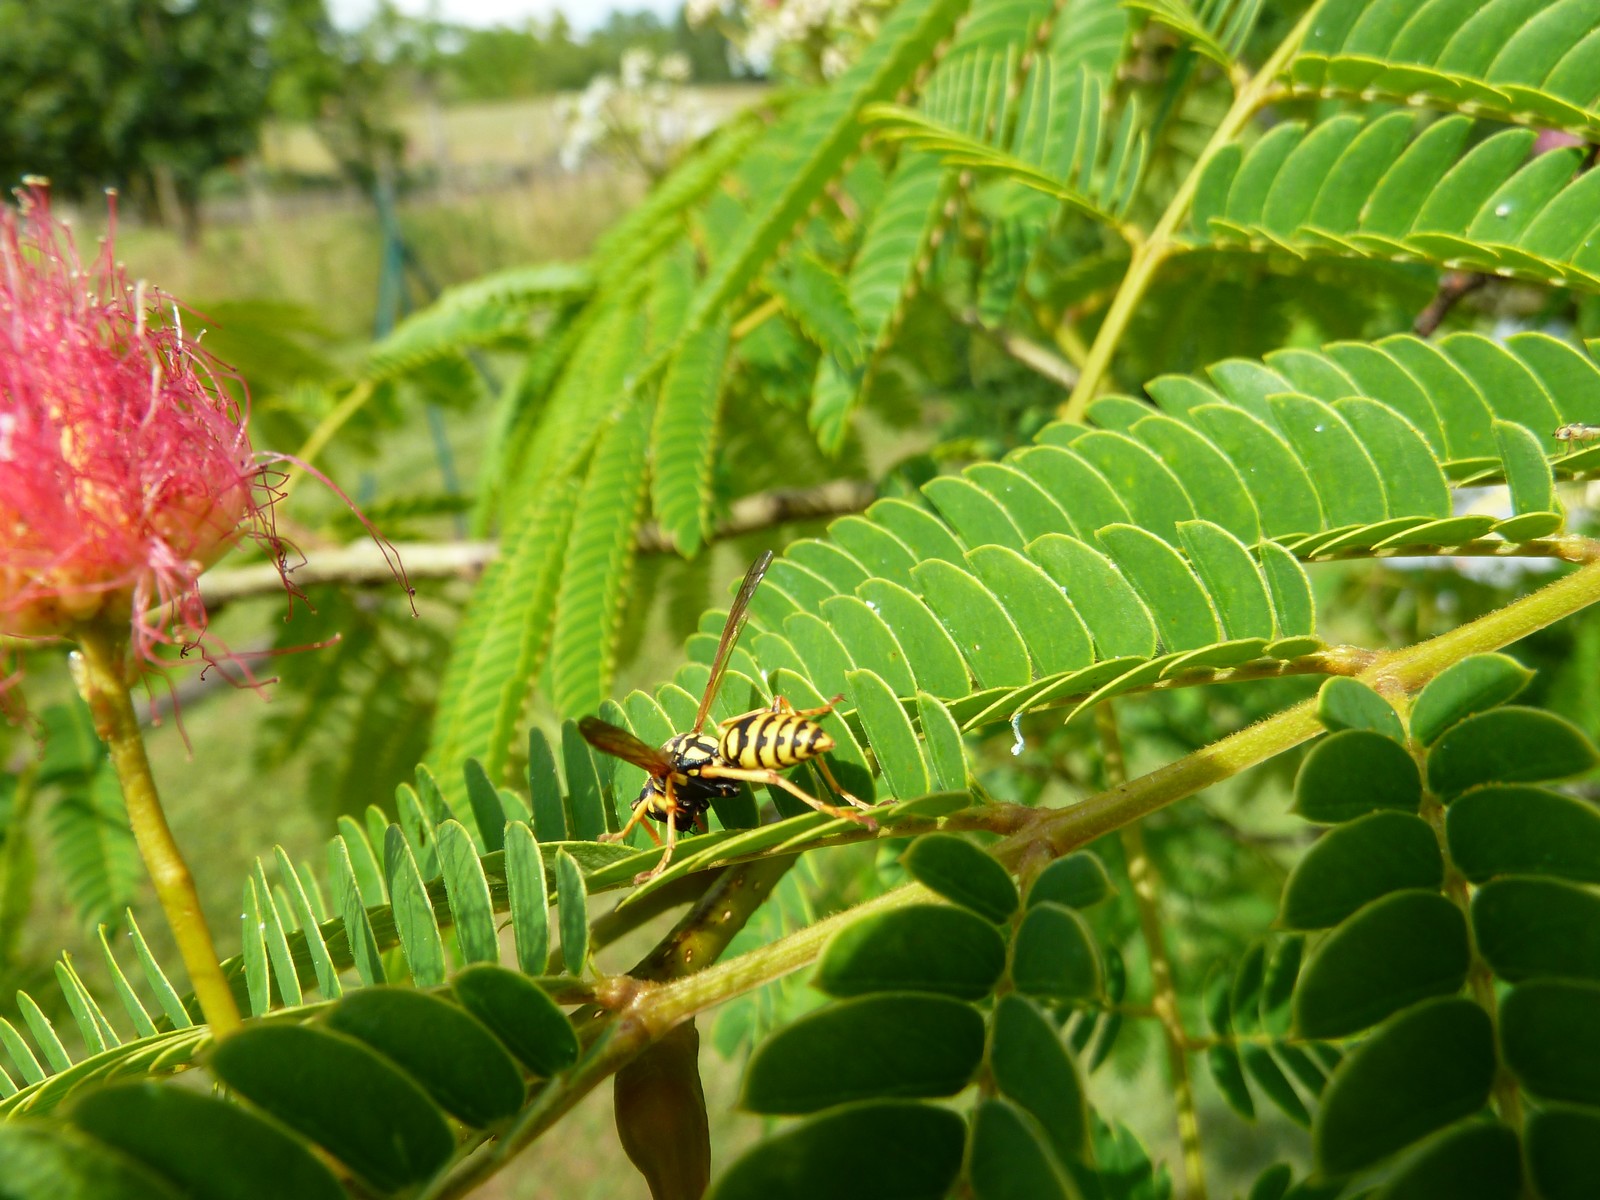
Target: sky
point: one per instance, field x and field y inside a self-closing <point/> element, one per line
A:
<point x="583" y="15"/>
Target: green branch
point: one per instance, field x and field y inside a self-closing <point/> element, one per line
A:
<point x="1162" y="242"/>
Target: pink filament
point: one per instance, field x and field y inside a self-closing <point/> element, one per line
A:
<point x="125" y="469"/>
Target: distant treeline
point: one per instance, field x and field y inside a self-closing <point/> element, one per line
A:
<point x="498" y="64"/>
<point x="152" y="96"/>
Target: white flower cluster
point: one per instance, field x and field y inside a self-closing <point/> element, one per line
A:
<point x="640" y="117"/>
<point x="768" y="25"/>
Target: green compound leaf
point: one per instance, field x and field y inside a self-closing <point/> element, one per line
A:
<point x="947" y="760"/>
<point x="572" y="897"/>
<point x="1508" y="745"/>
<point x="1426" y="1068"/>
<point x="1032" y="1067"/>
<point x="586" y="806"/>
<point x="1054" y="956"/>
<point x="1352" y="773"/>
<point x="205" y="1146"/>
<point x="1262" y="1067"/>
<point x="528" y="898"/>
<point x="960" y="872"/>
<point x="468" y="890"/>
<point x="1078" y="881"/>
<point x="1272" y="1183"/>
<point x="484" y="800"/>
<point x="1473" y="685"/>
<point x="1345" y="703"/>
<point x="920" y="948"/>
<point x="520" y="1014"/>
<point x="414" y="922"/>
<point x="1278" y="983"/>
<point x="1532" y="927"/>
<point x="881" y="1046"/>
<point x="1559" y="1145"/>
<point x="544" y="787"/>
<point x="38" y="1162"/>
<point x="1551" y="1040"/>
<point x="1010" y="1157"/>
<point x="449" y="1052"/>
<point x="1480" y="1160"/>
<point x="350" y="1100"/>
<point x="894" y="741"/>
<point x="684" y="437"/>
<point x="1356" y="863"/>
<point x="1227" y="1072"/>
<point x="1524" y="831"/>
<point x="1395" y="951"/>
<point x="913" y="1153"/>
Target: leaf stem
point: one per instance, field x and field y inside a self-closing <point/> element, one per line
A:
<point x="101" y="671"/>
<point x="1163" y="993"/>
<point x="1154" y="250"/>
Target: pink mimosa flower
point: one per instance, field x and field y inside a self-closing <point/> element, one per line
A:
<point x="125" y="468"/>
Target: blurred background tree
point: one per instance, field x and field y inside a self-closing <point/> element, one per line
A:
<point x="138" y="94"/>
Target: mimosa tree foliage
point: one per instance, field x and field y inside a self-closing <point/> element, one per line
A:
<point x="1147" y="273"/>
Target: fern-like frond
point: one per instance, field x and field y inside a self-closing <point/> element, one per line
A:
<point x="484" y="312"/>
<point x="658" y="219"/>
<point x="880" y="279"/>
<point x="93" y="847"/>
<point x="815" y="297"/>
<point x="1509" y="60"/>
<point x="1060" y="144"/>
<point x="685" y="436"/>
<point x="1217" y="29"/>
<point x="598" y="561"/>
<point x="1371" y="189"/>
<point x="820" y="134"/>
<point x="502" y="640"/>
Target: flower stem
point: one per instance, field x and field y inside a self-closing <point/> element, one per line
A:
<point x="103" y="680"/>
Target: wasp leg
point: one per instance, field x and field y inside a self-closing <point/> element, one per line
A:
<point x="821" y="764"/>
<point x="772" y="778"/>
<point x="671" y="807"/>
<point x="622" y="834"/>
<point x="782" y="705"/>
<point x="753" y="712"/>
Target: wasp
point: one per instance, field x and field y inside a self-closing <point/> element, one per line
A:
<point x="1577" y="432"/>
<point x="692" y="769"/>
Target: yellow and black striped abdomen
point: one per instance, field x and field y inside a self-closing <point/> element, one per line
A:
<point x="772" y="741"/>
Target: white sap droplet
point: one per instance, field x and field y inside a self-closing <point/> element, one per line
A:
<point x="1317" y="428"/>
<point x="872" y="606"/>
<point x="1502" y="209"/>
<point x="1019" y="745"/>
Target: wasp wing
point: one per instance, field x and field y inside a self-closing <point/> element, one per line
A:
<point x="619" y="743"/>
<point x="730" y="633"/>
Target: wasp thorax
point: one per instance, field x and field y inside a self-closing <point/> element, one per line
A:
<point x="690" y="750"/>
